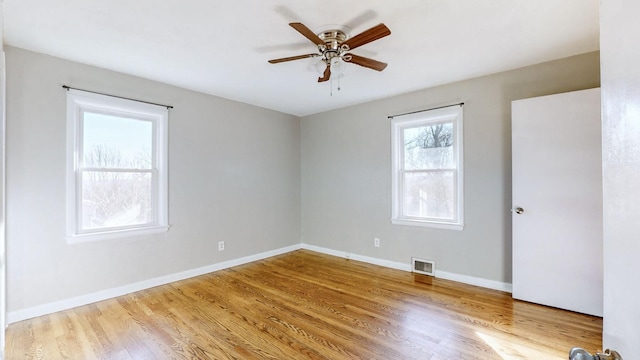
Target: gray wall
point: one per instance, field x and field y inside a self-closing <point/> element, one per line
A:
<point x="234" y="176"/>
<point x="619" y="38"/>
<point x="346" y="190"/>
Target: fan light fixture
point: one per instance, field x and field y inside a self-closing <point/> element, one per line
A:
<point x="337" y="66"/>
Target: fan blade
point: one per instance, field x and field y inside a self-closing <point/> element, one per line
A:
<point x="367" y="62"/>
<point x="367" y="36"/>
<point x="326" y="75"/>
<point x="275" y="61"/>
<point x="306" y="32"/>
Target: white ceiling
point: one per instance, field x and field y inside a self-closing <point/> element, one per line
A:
<point x="222" y="47"/>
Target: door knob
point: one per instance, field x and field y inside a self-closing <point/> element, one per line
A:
<point x="519" y="210"/>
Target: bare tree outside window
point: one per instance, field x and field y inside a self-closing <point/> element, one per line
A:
<point x="434" y="136"/>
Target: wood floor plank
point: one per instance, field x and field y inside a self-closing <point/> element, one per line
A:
<point x="306" y="305"/>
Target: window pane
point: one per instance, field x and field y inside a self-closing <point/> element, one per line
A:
<point x="114" y="199"/>
<point x="429" y="147"/>
<point x="429" y="194"/>
<point x="116" y="142"/>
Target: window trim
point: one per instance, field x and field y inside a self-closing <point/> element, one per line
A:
<point x="78" y="102"/>
<point x="398" y="124"/>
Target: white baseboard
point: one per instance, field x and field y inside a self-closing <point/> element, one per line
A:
<point x="35" y="311"/>
<point x="367" y="259"/>
<point x="44" y="309"/>
<point x="465" y="279"/>
<point x="476" y="281"/>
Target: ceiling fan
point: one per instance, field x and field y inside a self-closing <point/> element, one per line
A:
<point x="334" y="48"/>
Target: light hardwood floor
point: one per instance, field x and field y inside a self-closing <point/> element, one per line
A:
<point x="305" y="305"/>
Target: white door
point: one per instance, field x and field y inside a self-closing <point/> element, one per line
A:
<point x="557" y="201"/>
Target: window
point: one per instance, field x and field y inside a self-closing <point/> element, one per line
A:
<point x="117" y="167"/>
<point x="427" y="168"/>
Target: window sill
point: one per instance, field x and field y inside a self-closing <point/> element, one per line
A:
<point x="428" y="224"/>
<point x="115" y="234"/>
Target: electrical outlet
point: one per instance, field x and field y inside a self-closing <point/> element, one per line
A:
<point x="220" y="245"/>
<point x="376" y="242"/>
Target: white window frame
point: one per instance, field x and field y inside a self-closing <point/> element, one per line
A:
<point x="79" y="102"/>
<point x="448" y="114"/>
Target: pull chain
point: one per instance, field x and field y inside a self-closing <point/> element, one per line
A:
<point x="338" y="87"/>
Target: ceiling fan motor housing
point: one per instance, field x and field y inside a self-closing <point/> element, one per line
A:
<point x="333" y="40"/>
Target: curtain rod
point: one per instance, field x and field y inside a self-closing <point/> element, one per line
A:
<point x="115" y="96"/>
<point x="419" y="111"/>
